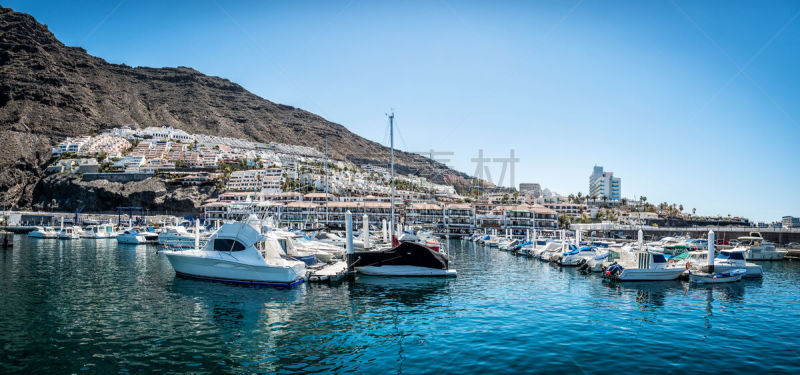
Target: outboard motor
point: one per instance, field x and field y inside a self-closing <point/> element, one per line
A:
<point x="614" y="270"/>
<point x="583" y="265"/>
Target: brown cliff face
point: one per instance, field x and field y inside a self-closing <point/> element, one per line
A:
<point x="49" y="91"/>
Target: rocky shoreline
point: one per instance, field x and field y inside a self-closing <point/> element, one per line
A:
<point x="68" y="193"/>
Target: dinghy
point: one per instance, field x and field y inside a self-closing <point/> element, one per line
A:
<point x="716" y="278"/>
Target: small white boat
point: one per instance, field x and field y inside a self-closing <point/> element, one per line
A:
<point x="649" y="267"/>
<point x="552" y="251"/>
<point x="179" y="236"/>
<point x="43" y="232"/>
<point x="131" y="237"/>
<point x="576" y="257"/>
<point x="100" y="231"/>
<point x="729" y="260"/>
<point x="70" y="233"/>
<point x="716" y="278"/>
<point x="231" y="256"/>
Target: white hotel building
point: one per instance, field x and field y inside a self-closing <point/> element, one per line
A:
<point x="604" y="184"/>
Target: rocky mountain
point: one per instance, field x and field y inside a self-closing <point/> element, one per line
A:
<point x="49" y="91"/>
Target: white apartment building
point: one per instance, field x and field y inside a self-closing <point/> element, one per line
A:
<point x="111" y="145"/>
<point x="790" y="222"/>
<point x="604" y="184"/>
<point x="264" y="180"/>
<point x="74" y="145"/>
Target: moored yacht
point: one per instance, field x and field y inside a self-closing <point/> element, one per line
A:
<point x="231" y="256"/>
<point x="406" y="259"/>
<point x="43" y="232"/>
<point x="729" y="260"/>
<point x="99" y="231"/>
<point x="179" y="236"/>
<point x="70" y="233"/>
<point x="649" y="267"/>
<point x="131" y="237"/>
<point x="577" y="257"/>
<point x="757" y="248"/>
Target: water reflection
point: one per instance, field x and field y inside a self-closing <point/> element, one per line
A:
<point x="402" y="290"/>
<point x="237" y="307"/>
<point x="647" y="295"/>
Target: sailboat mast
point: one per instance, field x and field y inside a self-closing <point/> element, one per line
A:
<point x="391" y="143"/>
<point x="326" y="180"/>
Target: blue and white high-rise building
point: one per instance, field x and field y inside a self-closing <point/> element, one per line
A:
<point x="604" y="184"/>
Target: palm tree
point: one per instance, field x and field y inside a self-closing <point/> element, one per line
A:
<point x="563" y="221"/>
<point x="600" y="215"/>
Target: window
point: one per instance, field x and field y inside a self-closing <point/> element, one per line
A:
<point x="658" y="258"/>
<point x="223" y="244"/>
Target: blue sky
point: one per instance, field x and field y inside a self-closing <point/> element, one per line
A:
<point x="687" y="101"/>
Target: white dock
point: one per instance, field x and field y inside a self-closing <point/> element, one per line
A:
<point x="328" y="273"/>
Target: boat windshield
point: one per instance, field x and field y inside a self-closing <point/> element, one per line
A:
<point x="225" y="244"/>
<point x="730" y="255"/>
<point x="659" y="258"/>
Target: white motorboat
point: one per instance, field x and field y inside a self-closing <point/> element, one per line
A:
<point x="179" y="236"/>
<point x="43" y="232"/>
<point x="231" y="256"/>
<point x="759" y="249"/>
<point x="717" y="277"/>
<point x="70" y="233"/>
<point x="99" y="231"/>
<point x="308" y="255"/>
<point x="131" y="237"/>
<point x="325" y="252"/>
<point x="577" y="257"/>
<point x="729" y="260"/>
<point x="547" y="252"/>
<point x="649" y="267"/>
<point x="509" y="244"/>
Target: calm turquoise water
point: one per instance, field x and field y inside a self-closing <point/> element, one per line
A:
<point x="86" y="307"/>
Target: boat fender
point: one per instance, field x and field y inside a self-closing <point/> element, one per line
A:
<point x="688" y="265"/>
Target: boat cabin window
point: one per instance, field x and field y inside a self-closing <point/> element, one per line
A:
<point x="224" y="244"/>
<point x="658" y="258"/>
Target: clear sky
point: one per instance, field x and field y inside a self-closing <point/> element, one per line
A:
<point x="692" y="102"/>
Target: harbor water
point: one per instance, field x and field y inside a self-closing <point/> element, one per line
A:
<point x="88" y="306"/>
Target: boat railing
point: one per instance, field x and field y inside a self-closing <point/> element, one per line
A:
<point x="181" y="244"/>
